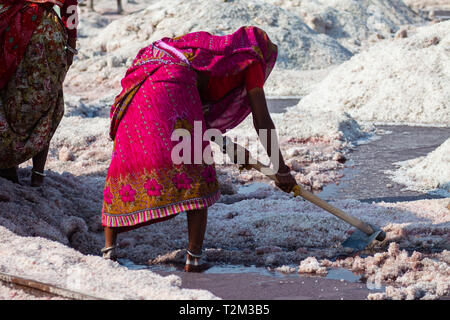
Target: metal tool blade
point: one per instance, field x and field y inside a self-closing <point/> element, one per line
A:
<point x="359" y="240"/>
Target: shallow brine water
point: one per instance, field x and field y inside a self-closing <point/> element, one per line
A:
<point x="340" y="274"/>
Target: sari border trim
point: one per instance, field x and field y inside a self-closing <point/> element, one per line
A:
<point x="142" y="216"/>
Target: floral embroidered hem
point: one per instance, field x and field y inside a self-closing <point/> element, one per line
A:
<point x="142" y="216"/>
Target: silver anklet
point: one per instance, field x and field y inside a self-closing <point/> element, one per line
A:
<point x="39" y="173"/>
<point x="198" y="256"/>
<point x="103" y="250"/>
<point x="108" y="253"/>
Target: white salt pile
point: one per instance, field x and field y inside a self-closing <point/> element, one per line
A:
<point x="293" y="82"/>
<point x="53" y="263"/>
<point x="352" y="22"/>
<point x="105" y="57"/>
<point x="428" y="5"/>
<point x="309" y="124"/>
<point x="299" y="46"/>
<point x="405" y="80"/>
<point x="428" y="173"/>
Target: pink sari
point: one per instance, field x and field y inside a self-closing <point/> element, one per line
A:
<point x="160" y="95"/>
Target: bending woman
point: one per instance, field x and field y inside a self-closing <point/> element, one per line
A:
<point x="37" y="49"/>
<point x="196" y="80"/>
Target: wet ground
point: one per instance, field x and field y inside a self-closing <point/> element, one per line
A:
<point x="364" y="179"/>
<point x="253" y="285"/>
<point x="232" y="282"/>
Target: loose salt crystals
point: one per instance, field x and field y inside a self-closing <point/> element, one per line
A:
<point x="311" y="265"/>
<point x="285" y="269"/>
<point x="414" y="276"/>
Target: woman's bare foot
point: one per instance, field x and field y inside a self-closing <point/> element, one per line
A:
<point x="10" y="174"/>
<point x="194" y="263"/>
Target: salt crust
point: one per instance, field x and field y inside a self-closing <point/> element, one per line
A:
<point x="273" y="230"/>
<point x="407" y="276"/>
<point x="428" y="173"/>
<point x="56" y="264"/>
<point x="396" y="81"/>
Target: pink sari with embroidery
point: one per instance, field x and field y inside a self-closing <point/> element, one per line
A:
<point x="160" y="95"/>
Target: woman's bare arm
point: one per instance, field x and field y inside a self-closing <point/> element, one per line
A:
<point x="263" y="120"/>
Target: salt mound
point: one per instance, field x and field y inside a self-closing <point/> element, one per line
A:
<point x="352" y="22"/>
<point x="395" y="81"/>
<point x="426" y="173"/>
<point x="109" y="44"/>
<point x="304" y="123"/>
<point x="51" y="262"/>
<point x="293" y="82"/>
<point x="428" y="4"/>
<point x="330" y="125"/>
<point x="299" y="45"/>
<point x="104" y="58"/>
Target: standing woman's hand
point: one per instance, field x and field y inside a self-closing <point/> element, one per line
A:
<point x="72" y="43"/>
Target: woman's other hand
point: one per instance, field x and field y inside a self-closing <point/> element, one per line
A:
<point x="72" y="42"/>
<point x="285" y="180"/>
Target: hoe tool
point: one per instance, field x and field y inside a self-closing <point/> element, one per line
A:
<point x="358" y="240"/>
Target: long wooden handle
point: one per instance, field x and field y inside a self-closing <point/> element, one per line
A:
<point x="364" y="227"/>
<point x="299" y="191"/>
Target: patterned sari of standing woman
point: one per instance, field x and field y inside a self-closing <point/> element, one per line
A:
<point x="37" y="49"/>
